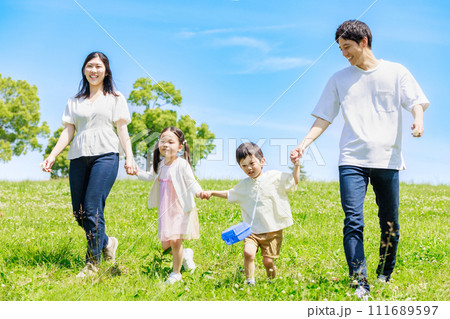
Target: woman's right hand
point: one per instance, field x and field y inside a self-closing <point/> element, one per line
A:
<point x="63" y="140"/>
<point x="48" y="163"/>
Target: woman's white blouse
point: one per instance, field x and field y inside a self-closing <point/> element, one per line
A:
<point x="94" y="124"/>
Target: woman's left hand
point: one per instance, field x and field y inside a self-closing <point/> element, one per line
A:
<point x="130" y="166"/>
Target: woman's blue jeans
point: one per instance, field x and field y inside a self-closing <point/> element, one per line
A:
<point x="91" y="178"/>
<point x="353" y="185"/>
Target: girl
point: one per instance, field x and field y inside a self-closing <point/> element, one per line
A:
<point x="172" y="193"/>
<point x="94" y="153"/>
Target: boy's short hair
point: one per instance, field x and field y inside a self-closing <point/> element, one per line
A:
<point x="248" y="149"/>
<point x="354" y="30"/>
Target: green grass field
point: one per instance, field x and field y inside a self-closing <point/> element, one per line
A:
<point x="42" y="248"/>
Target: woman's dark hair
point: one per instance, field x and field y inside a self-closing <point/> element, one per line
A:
<point x="248" y="149"/>
<point x="354" y="30"/>
<point x="108" y="83"/>
<point x="179" y="133"/>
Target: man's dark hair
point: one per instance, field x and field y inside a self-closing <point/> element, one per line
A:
<point x="354" y="30"/>
<point x="248" y="149"/>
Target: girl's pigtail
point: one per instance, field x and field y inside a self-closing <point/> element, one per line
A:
<point x="186" y="154"/>
<point x="156" y="158"/>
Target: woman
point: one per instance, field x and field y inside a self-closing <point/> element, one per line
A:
<point x="94" y="153"/>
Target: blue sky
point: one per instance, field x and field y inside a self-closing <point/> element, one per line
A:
<point x="232" y="60"/>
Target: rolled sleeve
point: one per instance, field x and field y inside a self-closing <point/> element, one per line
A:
<point x="120" y="110"/>
<point x="67" y="117"/>
<point x="146" y="176"/>
<point x="238" y="193"/>
<point x="411" y="93"/>
<point x="328" y="106"/>
<point x="232" y="196"/>
<point x="288" y="182"/>
<point x="192" y="184"/>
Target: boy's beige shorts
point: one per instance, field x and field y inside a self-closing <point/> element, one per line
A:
<point x="269" y="243"/>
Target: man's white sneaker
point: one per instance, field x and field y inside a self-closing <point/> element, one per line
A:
<point x="382" y="279"/>
<point x="173" y="278"/>
<point x="109" y="252"/>
<point x="362" y="293"/>
<point x="88" y="270"/>
<point x="188" y="259"/>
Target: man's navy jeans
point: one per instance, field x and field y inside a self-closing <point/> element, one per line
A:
<point x="353" y="185"/>
<point x="91" y="178"/>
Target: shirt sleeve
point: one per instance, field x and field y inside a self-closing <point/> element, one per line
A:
<point x="287" y="182"/>
<point x="235" y="194"/>
<point x="67" y="116"/>
<point x="411" y="93"/>
<point x="328" y="106"/>
<point x="120" y="110"/>
<point x="146" y="176"/>
<point x="191" y="183"/>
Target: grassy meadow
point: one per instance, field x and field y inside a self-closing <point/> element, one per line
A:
<point x="42" y="248"/>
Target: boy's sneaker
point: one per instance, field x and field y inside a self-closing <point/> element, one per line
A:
<point x="362" y="293"/>
<point x="109" y="252"/>
<point x="173" y="278"/>
<point x="88" y="270"/>
<point x="250" y="281"/>
<point x="382" y="279"/>
<point x="188" y="259"/>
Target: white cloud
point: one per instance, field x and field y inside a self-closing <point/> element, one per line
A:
<point x="260" y="62"/>
<point x="190" y="33"/>
<point x="244" y="42"/>
<point x="243" y="119"/>
<point x="273" y="64"/>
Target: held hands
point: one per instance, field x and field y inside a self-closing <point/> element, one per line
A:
<point x="295" y="158"/>
<point x="204" y="195"/>
<point x="296" y="154"/>
<point x="130" y="166"/>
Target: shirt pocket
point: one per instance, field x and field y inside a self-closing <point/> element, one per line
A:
<point x="384" y="101"/>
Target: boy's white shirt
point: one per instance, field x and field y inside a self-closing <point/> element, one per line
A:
<point x="273" y="211"/>
<point x="183" y="180"/>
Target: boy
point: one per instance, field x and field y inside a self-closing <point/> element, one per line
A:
<point x="264" y="205"/>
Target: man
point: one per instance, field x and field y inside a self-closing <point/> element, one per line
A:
<point x="371" y="93"/>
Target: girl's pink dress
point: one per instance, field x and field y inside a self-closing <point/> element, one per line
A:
<point x="174" y="223"/>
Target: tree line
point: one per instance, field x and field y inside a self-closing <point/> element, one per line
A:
<point x="20" y="124"/>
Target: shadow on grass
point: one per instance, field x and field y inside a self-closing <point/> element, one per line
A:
<point x="159" y="266"/>
<point x="231" y="279"/>
<point x="61" y="256"/>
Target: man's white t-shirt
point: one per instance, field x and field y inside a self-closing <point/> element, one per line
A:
<point x="94" y="124"/>
<point x="371" y="103"/>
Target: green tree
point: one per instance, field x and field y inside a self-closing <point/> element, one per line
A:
<point x="19" y="119"/>
<point x="154" y="95"/>
<point x="61" y="166"/>
<point x="145" y="127"/>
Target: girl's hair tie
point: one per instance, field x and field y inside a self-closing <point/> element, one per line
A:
<point x="184" y="142"/>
